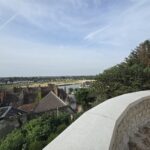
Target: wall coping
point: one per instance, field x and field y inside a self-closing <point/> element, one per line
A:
<point x="94" y="130"/>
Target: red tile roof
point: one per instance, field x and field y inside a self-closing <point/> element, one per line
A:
<point x="28" y="107"/>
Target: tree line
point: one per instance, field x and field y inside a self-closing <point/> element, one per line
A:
<point x="129" y="76"/>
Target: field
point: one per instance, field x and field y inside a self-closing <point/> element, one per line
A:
<point x="58" y="82"/>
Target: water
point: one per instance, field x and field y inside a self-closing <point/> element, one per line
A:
<point x="67" y="87"/>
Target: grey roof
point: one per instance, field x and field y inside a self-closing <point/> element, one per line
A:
<point x="49" y="102"/>
<point x="4" y="111"/>
<point x="9" y="111"/>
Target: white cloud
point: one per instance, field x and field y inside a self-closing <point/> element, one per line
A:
<point x="69" y="14"/>
<point x="88" y="36"/>
<point x="129" y="27"/>
<point x="24" y="58"/>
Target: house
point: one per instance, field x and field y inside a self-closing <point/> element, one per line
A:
<point x="10" y="112"/>
<point x="29" y="108"/>
<point x="2" y="95"/>
<point x="52" y="102"/>
<point x="8" y="98"/>
<point x="10" y="118"/>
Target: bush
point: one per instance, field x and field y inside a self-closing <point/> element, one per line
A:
<point x="13" y="141"/>
<point x="37" y="145"/>
<point x="37" y="133"/>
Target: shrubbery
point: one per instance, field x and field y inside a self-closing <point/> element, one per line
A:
<point x="36" y="134"/>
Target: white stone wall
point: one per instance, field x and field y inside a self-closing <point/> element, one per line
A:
<point x="106" y="126"/>
<point x="134" y="116"/>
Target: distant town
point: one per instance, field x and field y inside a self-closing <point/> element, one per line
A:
<point x="22" y="99"/>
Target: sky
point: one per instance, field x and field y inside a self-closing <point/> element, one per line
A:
<point x="69" y="37"/>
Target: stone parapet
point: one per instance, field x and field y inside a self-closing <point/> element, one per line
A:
<point x="106" y="126"/>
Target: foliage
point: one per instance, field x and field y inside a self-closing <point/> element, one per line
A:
<point x="70" y="90"/>
<point x="84" y="98"/>
<point x="129" y="76"/>
<point x="14" y="141"/>
<point x="36" y="145"/>
<point x="36" y="134"/>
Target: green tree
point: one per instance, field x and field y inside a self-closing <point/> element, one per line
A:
<point x="129" y="76"/>
<point x="84" y="98"/>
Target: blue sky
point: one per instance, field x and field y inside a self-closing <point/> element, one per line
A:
<point x="69" y="37"/>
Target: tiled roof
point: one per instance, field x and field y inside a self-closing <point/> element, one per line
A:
<point x="49" y="102"/>
<point x="27" y="107"/>
<point x="9" y="111"/>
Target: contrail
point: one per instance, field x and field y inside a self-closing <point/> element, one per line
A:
<point x="92" y="34"/>
<point x="8" y="21"/>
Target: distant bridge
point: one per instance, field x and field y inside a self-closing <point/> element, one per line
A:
<point x="107" y="126"/>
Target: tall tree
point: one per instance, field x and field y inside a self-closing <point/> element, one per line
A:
<point x="131" y="75"/>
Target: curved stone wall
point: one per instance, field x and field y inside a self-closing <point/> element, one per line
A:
<point x="135" y="116"/>
<point x="106" y="126"/>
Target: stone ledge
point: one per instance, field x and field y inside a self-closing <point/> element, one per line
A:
<point x="104" y="126"/>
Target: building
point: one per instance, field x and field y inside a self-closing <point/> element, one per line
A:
<point x="51" y="102"/>
<point x="10" y="118"/>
